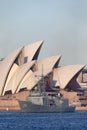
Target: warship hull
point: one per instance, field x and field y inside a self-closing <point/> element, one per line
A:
<point x="27" y="106"/>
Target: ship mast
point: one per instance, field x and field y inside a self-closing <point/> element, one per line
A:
<point x="41" y="87"/>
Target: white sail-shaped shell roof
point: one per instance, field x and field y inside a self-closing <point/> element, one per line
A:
<point x="28" y="82"/>
<point x="31" y="50"/>
<point x="18" y="77"/>
<point x="23" y="83"/>
<point x="66" y="73"/>
<point x="34" y="77"/>
<point x="11" y="73"/>
<point x="47" y="64"/>
<point x="5" y="67"/>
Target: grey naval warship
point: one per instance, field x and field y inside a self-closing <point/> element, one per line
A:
<point x="38" y="101"/>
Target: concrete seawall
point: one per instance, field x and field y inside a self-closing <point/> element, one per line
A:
<point x="9" y="105"/>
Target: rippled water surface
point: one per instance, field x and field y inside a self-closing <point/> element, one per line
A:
<point x="43" y="121"/>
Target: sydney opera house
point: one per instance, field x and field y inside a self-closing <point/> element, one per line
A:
<point x="21" y="71"/>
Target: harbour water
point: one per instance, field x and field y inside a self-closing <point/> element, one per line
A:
<point x="16" y="120"/>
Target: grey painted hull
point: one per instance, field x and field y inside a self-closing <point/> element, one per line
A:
<point x="27" y="106"/>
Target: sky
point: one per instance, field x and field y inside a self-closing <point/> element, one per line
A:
<point x="62" y="24"/>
